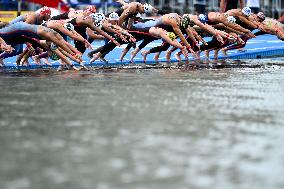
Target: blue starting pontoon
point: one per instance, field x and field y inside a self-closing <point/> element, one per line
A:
<point x="265" y="46"/>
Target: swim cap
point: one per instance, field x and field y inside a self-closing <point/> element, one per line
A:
<point x="171" y="35"/>
<point x="113" y="16"/>
<point x="98" y="24"/>
<point x="184" y="22"/>
<point x="45" y="11"/>
<point x="91" y="8"/>
<point x="98" y="16"/>
<point x="203" y="18"/>
<point x="54" y="56"/>
<point x="231" y="19"/>
<point x="148" y="8"/>
<point x="44" y="23"/>
<point x="53" y="46"/>
<point x="69" y="26"/>
<point x="246" y="11"/>
<point x="261" y="16"/>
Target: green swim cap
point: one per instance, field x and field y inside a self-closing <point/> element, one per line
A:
<point x="54" y="56"/>
<point x="184" y="22"/>
<point x="171" y="35"/>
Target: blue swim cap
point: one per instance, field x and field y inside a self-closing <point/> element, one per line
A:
<point x="203" y="18"/>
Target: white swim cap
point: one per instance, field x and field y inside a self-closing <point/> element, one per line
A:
<point x="69" y="26"/>
<point x="231" y="19"/>
<point x="98" y="24"/>
<point x="113" y="16"/>
<point x="148" y="8"/>
<point x="53" y="46"/>
<point x="98" y="16"/>
<point x="246" y="11"/>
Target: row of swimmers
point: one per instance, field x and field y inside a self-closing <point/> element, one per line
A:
<point x="46" y="37"/>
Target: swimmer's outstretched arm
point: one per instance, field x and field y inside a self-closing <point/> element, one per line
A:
<point x="101" y="32"/>
<point x="93" y="35"/>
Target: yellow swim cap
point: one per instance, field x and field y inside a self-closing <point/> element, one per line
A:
<point x="171" y="35"/>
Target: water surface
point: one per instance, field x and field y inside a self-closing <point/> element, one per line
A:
<point x="143" y="128"/>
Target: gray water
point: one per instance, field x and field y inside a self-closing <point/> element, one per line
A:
<point x="143" y="129"/>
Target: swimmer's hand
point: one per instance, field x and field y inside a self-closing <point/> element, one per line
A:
<point x="219" y="38"/>
<point x="115" y="42"/>
<point x="122" y="37"/>
<point x="191" y="51"/>
<point x="74" y="67"/>
<point x="88" y="45"/>
<point x="239" y="40"/>
<point x="250" y="35"/>
<point x="184" y="52"/>
<point x="6" y="48"/>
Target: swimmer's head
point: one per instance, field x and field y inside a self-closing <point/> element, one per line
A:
<point x="184" y="22"/>
<point x="113" y="16"/>
<point x="260" y="16"/>
<point x="91" y="9"/>
<point x="45" y="12"/>
<point x="54" y="57"/>
<point x="246" y="11"/>
<point x="147" y="8"/>
<point x="53" y="46"/>
<point x="231" y="19"/>
<point x="203" y="18"/>
<point x="98" y="24"/>
<point x="98" y="16"/>
<point x="69" y="26"/>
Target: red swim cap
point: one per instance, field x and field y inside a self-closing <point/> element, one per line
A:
<point x="91" y="8"/>
<point x="45" y="10"/>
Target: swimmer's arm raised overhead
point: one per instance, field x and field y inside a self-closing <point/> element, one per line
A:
<point x="125" y="13"/>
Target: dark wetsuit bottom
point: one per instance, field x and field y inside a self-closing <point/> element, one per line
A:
<point x="80" y="46"/>
<point x="18" y="45"/>
<point x="160" y="48"/>
<point x="147" y="38"/>
<point x="211" y="45"/>
<point x="237" y="46"/>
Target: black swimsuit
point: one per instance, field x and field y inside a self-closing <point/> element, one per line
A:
<point x="63" y="16"/>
